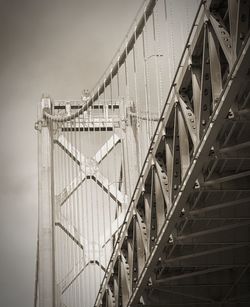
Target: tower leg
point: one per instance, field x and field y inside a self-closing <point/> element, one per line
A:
<point x="46" y="297"/>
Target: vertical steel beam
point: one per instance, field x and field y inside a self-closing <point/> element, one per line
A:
<point x="205" y="94"/>
<point x="46" y="282"/>
<point x="184" y="145"/>
<point x="215" y="65"/>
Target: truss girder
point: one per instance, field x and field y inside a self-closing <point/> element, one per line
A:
<point x="185" y="177"/>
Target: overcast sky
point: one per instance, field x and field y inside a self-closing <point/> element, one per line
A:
<point x="47" y="46"/>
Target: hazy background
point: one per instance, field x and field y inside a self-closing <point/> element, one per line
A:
<point x="58" y="47"/>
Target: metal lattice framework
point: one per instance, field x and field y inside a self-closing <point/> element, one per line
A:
<point x="169" y="182"/>
<point x="189" y="216"/>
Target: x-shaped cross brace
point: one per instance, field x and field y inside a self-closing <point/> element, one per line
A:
<point x="89" y="170"/>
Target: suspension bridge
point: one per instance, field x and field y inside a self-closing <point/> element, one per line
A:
<point x="144" y="183"/>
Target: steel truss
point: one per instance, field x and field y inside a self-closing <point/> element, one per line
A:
<point x="185" y="238"/>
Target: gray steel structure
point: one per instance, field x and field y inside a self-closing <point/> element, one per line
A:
<point x="185" y="238"/>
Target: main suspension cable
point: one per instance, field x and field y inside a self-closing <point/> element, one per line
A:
<point x="121" y="60"/>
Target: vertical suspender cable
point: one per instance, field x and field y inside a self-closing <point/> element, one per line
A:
<point x="57" y="212"/>
<point x="147" y="57"/>
<point x="94" y="202"/>
<point x="102" y="190"/>
<point x="121" y="124"/>
<point x="127" y="104"/>
<point x="76" y="219"/>
<point x="65" y="211"/>
<point x="50" y="125"/>
<point x="107" y="168"/>
<point x="75" y="246"/>
<point x="148" y="130"/>
<point x="100" y="204"/>
<point x="169" y="57"/>
<point x="157" y="59"/>
<point x="139" y="138"/>
<point x="59" y="204"/>
<point x="88" y="273"/>
<point x="68" y="206"/>
<point x="172" y="39"/>
<point x="71" y="210"/>
<point x="83" y="215"/>
<point x="116" y="184"/>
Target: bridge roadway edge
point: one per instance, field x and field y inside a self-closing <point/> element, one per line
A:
<point x="232" y="86"/>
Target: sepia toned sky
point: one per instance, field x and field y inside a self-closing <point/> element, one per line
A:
<point x="58" y="47"/>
